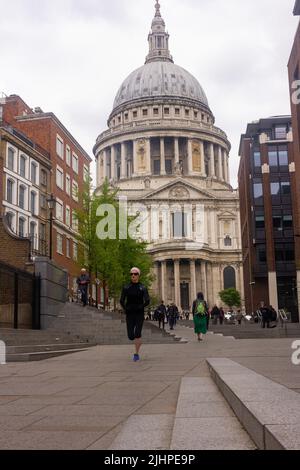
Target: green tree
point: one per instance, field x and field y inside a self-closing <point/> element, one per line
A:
<point x="231" y="297"/>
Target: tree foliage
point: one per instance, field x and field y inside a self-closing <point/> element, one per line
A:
<point x="231" y="297"/>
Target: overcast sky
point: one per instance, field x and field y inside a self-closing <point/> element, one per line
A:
<point x="71" y="56"/>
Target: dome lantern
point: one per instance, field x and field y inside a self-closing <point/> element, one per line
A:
<point x="158" y="39"/>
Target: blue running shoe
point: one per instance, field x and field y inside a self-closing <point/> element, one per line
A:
<point x="136" y="357"/>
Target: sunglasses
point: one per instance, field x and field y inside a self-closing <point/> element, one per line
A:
<point x="134" y="274"/>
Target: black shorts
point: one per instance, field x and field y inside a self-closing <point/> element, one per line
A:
<point x="134" y="325"/>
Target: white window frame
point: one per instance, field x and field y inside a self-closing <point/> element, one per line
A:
<point x="68" y="184"/>
<point x="23" y="156"/>
<point x="35" y="212"/>
<point x="68" y="216"/>
<point x="68" y="155"/>
<point x="75" y="166"/>
<point x="59" y="236"/>
<point x="86" y="173"/>
<point x="8" y="179"/>
<point x="75" y="186"/>
<point x="59" y="216"/>
<point x="60" y="146"/>
<point x="68" y="248"/>
<point x="60" y="171"/>
<point x="35" y="164"/>
<point x="25" y="208"/>
<point x="10" y="147"/>
<point x="75" y="251"/>
<point x="74" y="222"/>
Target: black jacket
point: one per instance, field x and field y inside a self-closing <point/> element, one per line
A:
<point x="135" y="298"/>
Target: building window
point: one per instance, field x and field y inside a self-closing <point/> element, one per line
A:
<point x="11" y="159"/>
<point x="74" y="222"/>
<point x="22" y="191"/>
<point x="280" y="132"/>
<point x="177" y="111"/>
<point x="229" y="278"/>
<point x="227" y="241"/>
<point x="119" y="119"/>
<point x="59" y="211"/>
<point x="23" y="166"/>
<point x="258" y="191"/>
<point x="68" y="185"/>
<point x="68" y="248"/>
<point x="22" y="227"/>
<point x="44" y="178"/>
<point x="169" y="167"/>
<point x="261" y="254"/>
<point x="86" y="173"/>
<point x="33" y="172"/>
<point x="155" y="111"/>
<point x="187" y="112"/>
<point x="287" y="222"/>
<point x="33" y="235"/>
<point x="275" y="189"/>
<point x="9" y="192"/>
<point x="75" y="191"/>
<point x="195" y="114"/>
<point x="156" y="167"/>
<point x="283" y="157"/>
<point x="59" y="243"/>
<point x="285" y="188"/>
<point x="42" y="232"/>
<point x="126" y="116"/>
<point x="60" y="147"/>
<point x="273" y="158"/>
<point x="59" y="178"/>
<point x="257" y="159"/>
<point x="9" y="219"/>
<point x="134" y="114"/>
<point x="167" y="111"/>
<point x="259" y="222"/>
<point x="33" y="202"/>
<point x="145" y="112"/>
<point x="75" y="251"/>
<point x="179" y="225"/>
<point x="68" y="156"/>
<point x="43" y="201"/>
<point x="75" y="163"/>
<point x="68" y="216"/>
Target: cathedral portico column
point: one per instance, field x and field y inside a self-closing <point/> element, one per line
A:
<point x="162" y="156"/>
<point x="193" y="293"/>
<point x="123" y="160"/>
<point x="148" y="156"/>
<point x="202" y="158"/>
<point x="190" y="157"/>
<point x="105" y="164"/>
<point x="135" y="164"/>
<point x="204" y="279"/>
<point x="176" y="150"/>
<point x="220" y="157"/>
<point x="210" y="295"/>
<point x="212" y="160"/>
<point x="113" y="162"/>
<point x="177" y="283"/>
<point x="163" y="280"/>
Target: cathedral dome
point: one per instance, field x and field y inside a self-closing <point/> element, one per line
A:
<point x="160" y="79"/>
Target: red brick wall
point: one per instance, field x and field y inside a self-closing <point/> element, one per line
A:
<point x="14" y="251"/>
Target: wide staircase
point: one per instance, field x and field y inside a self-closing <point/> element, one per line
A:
<point x="76" y="328"/>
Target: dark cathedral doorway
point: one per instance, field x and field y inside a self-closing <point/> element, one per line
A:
<point x="185" y="296"/>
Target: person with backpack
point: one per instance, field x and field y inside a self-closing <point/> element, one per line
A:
<point x="162" y="315"/>
<point x="134" y="299"/>
<point x="200" y="311"/>
<point x="172" y="315"/>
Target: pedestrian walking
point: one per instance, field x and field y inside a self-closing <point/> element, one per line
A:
<point x="200" y="313"/>
<point x="215" y="314"/>
<point x="83" y="283"/>
<point x="222" y="316"/>
<point x="134" y="300"/>
<point x="172" y="315"/>
<point x="265" y="314"/>
<point x="239" y="316"/>
<point x="162" y="311"/>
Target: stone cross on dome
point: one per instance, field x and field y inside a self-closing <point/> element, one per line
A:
<point x="157" y="6"/>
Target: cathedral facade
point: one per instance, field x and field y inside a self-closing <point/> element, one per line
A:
<point x="164" y="152"/>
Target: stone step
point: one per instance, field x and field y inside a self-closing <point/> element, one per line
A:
<point x="40" y="355"/>
<point x="46" y="348"/>
<point x="204" y="421"/>
<point x="269" y="411"/>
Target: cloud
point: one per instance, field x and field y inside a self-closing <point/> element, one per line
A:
<point x="71" y="56"/>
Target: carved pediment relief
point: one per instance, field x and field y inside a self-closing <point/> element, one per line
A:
<point x="179" y="192"/>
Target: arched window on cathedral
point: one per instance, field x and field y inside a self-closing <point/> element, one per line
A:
<point x="229" y="278"/>
<point x="227" y="241"/>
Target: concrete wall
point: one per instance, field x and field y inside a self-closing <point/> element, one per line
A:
<point x="54" y="289"/>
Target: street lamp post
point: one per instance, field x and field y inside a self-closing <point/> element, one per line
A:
<point x="51" y="204"/>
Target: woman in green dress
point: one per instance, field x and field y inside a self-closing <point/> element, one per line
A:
<point x="200" y="312"/>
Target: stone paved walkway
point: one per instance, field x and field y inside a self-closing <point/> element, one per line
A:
<point x="81" y="401"/>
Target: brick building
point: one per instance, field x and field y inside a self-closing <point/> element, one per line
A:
<point x="266" y="185"/>
<point x="294" y="80"/>
<point x="70" y="166"/>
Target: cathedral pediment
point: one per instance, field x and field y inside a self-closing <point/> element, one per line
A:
<point x="179" y="190"/>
